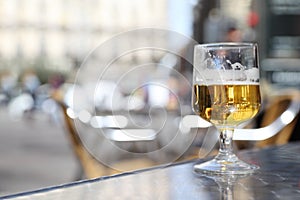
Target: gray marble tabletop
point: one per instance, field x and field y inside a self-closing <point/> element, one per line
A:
<point x="277" y="178"/>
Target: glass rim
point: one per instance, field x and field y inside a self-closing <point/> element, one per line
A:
<point x="227" y="45"/>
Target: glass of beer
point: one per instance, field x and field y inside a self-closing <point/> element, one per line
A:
<point x="226" y="93"/>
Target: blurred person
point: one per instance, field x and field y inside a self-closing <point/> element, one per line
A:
<point x="213" y="26"/>
<point x="56" y="80"/>
<point x="30" y="82"/>
<point x="233" y="35"/>
<point x="220" y="28"/>
<point x="252" y="22"/>
<point x="8" y="84"/>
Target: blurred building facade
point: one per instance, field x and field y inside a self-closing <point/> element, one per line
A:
<point x="63" y="31"/>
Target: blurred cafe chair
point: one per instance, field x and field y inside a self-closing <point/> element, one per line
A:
<point x="142" y="90"/>
<point x="88" y="163"/>
<point x="276" y="125"/>
<point x="107" y="144"/>
<point x="284" y="106"/>
<point x="92" y="167"/>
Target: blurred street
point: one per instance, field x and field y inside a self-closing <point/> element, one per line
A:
<point x="34" y="153"/>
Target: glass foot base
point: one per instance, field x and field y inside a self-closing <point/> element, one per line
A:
<point x="220" y="165"/>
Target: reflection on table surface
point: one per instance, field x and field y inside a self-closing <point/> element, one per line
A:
<point x="277" y="178"/>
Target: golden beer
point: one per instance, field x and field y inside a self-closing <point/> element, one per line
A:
<point x="227" y="105"/>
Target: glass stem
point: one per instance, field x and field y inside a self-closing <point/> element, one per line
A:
<point x="226" y="192"/>
<point x="225" y="140"/>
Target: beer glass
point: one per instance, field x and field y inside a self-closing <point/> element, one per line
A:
<point x="226" y="93"/>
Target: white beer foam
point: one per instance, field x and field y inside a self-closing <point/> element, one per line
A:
<point x="220" y="75"/>
<point x="252" y="74"/>
<point x="228" y="83"/>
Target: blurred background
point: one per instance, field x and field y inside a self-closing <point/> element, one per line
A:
<point x="44" y="42"/>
